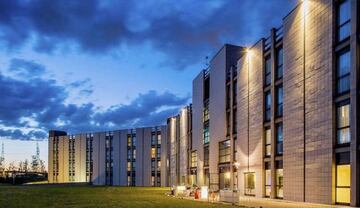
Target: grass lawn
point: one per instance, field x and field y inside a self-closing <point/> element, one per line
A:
<point x="92" y="196"/>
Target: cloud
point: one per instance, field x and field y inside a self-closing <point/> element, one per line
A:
<point x="183" y="31"/>
<point x="26" y="69"/>
<point x="31" y="107"/>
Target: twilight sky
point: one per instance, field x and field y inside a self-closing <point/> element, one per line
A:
<point x="99" y="64"/>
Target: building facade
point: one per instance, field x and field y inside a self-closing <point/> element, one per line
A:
<point x="279" y="119"/>
<point x="132" y="157"/>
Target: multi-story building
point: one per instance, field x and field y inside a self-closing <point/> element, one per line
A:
<point x="280" y="119"/>
<point x="132" y="157"/>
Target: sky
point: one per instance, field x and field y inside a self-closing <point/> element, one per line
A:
<point x="96" y="65"/>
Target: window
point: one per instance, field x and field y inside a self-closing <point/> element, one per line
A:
<point x="234" y="121"/>
<point x="343" y="123"/>
<point x="159" y="139"/>
<point x="279" y="101"/>
<point x="158" y="153"/>
<point x="343" y="72"/>
<point x="267" y="142"/>
<point x="224" y="178"/>
<point x="134" y="141"/>
<point x="128" y="166"/>
<point x="279" y="139"/>
<point x="224" y="151"/>
<point x="206" y="111"/>
<point x="267" y="71"/>
<point x="267" y="179"/>
<point x="343" y="25"/>
<point x="234" y="92"/>
<point x="206" y="155"/>
<point x="267" y="106"/>
<point x="153" y="139"/>
<point x="194" y="159"/>
<point x="129" y="141"/>
<point x="250" y="184"/>
<point x="343" y="180"/>
<point x="153" y="165"/>
<point x="153" y="153"/>
<point x="134" y="154"/>
<point x="158" y="165"/>
<point x="279" y="63"/>
<point x="152" y="180"/>
<point x="279" y="179"/>
<point x="206" y="134"/>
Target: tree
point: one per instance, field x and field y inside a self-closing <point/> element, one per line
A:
<point x="12" y="167"/>
<point x="26" y="165"/>
<point x="35" y="164"/>
<point x="21" y="166"/>
<point x="42" y="166"/>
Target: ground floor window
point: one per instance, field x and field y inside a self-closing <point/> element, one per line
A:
<point x="250" y="184"/>
<point x="224" y="177"/>
<point x="235" y="180"/>
<point x="343" y="174"/>
<point x="192" y="177"/>
<point x="206" y="176"/>
<point x="267" y="179"/>
<point x="279" y="179"/>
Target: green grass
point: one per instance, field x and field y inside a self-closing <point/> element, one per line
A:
<point x="92" y="196"/>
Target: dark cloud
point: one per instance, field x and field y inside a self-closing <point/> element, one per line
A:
<point x="25" y="68"/>
<point x="184" y="31"/>
<point x="38" y="104"/>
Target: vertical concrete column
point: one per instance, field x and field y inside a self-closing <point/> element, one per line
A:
<point x="355" y="106"/>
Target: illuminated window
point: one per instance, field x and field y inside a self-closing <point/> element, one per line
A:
<point x="152" y="165"/>
<point x="128" y="166"/>
<point x="279" y="179"/>
<point x="279" y="63"/>
<point x="267" y="71"/>
<point x="153" y="152"/>
<point x="250" y="184"/>
<point x="343" y="72"/>
<point x="267" y="142"/>
<point x="343" y="180"/>
<point x="267" y="179"/>
<point x="159" y="139"/>
<point x="224" y="151"/>
<point x="206" y="112"/>
<point x="194" y="159"/>
<point x="134" y="154"/>
<point x="343" y="25"/>
<point x="343" y="123"/>
<point x="224" y="177"/>
<point x="129" y="141"/>
<point x="152" y="180"/>
<point x="158" y="165"/>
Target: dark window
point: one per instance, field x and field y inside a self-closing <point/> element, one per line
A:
<point x="343" y="123"/>
<point x="224" y="178"/>
<point x="206" y="155"/>
<point x="267" y="106"/>
<point x="267" y="71"/>
<point x="267" y="142"/>
<point x="234" y="121"/>
<point x="279" y="101"/>
<point x="224" y="151"/>
<point x="343" y="25"/>
<point x="343" y="72"/>
<point x="279" y="63"/>
<point x="279" y="139"/>
<point x="234" y="92"/>
<point x="206" y="134"/>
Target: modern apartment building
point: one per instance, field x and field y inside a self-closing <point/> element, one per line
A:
<point x="280" y="119"/>
<point x="132" y="157"/>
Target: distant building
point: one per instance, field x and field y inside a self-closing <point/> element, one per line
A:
<point x="132" y="157"/>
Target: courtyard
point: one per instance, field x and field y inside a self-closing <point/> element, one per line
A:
<point x="92" y="196"/>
